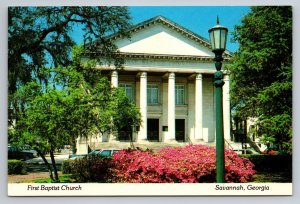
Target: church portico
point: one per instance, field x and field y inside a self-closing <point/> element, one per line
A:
<point x="178" y="106"/>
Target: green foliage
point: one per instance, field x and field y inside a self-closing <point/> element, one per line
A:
<point x="66" y="166"/>
<point x="41" y="36"/>
<point x="15" y="167"/>
<point x="43" y="124"/>
<point x="52" y="119"/>
<point x="56" y="96"/>
<point x="64" y="179"/>
<point x="92" y="169"/>
<point x="82" y="107"/>
<point x="270" y="163"/>
<point x="278" y="130"/>
<point x="261" y="72"/>
<point x="84" y="102"/>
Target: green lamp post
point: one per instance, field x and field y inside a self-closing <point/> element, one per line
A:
<point x="218" y="37"/>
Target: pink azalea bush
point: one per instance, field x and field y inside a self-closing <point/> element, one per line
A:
<point x="189" y="164"/>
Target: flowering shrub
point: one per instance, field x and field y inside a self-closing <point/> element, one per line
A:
<point x="189" y="164"/>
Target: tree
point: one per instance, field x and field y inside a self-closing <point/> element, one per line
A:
<point x="44" y="125"/>
<point x="55" y="117"/>
<point x="40" y="38"/>
<point x="54" y="94"/>
<point x="261" y="72"/>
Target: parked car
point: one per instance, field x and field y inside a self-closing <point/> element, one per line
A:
<point x="23" y="152"/>
<point x="245" y="151"/>
<point x="77" y="156"/>
<point x="95" y="152"/>
<point x="104" y="152"/>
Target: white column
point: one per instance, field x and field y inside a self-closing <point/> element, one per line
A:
<point x="198" y="107"/>
<point x="226" y="107"/>
<point x="165" y="110"/>
<point x="114" y="83"/>
<point x="142" y="135"/>
<point x="114" y="79"/>
<point x="171" y="107"/>
<point x="191" y="111"/>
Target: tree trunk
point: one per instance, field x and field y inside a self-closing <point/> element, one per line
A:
<point x="73" y="143"/>
<point x="54" y="166"/>
<point x="46" y="162"/>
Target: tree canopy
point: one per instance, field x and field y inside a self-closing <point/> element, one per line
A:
<point x="40" y="37"/>
<point x="261" y="72"/>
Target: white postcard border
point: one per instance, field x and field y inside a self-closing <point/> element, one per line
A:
<point x="129" y="189"/>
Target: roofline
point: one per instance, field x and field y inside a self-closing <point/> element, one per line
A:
<point x="161" y="19"/>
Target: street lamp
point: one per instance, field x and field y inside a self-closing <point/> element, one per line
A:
<point x="218" y="37"/>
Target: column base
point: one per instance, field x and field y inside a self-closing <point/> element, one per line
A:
<point x="143" y="141"/>
<point x="171" y="141"/>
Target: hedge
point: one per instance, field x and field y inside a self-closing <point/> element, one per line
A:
<point x="89" y="169"/>
<point x="66" y="166"/>
<point x="271" y="163"/>
<point x="15" y="167"/>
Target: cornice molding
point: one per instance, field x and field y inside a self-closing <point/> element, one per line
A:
<point x="171" y="57"/>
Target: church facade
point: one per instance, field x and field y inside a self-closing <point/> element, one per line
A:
<point x="168" y="74"/>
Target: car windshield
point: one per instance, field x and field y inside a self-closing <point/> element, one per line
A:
<point x="96" y="151"/>
<point x="105" y="153"/>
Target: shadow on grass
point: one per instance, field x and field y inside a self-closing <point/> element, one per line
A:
<point x="39" y="168"/>
<point x="273" y="177"/>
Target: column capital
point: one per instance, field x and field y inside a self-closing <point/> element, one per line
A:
<point x="114" y="73"/>
<point x="171" y="75"/>
<point x="226" y="72"/>
<point x="226" y="77"/>
<point x="199" y="76"/>
<point x="143" y="74"/>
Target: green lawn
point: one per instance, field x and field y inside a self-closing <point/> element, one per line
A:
<point x="273" y="177"/>
<point x="66" y="178"/>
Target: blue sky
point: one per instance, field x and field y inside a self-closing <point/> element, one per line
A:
<point x="195" y="18"/>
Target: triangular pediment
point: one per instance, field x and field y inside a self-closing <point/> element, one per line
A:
<point x="160" y="36"/>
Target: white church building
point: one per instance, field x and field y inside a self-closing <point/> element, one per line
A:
<point x="168" y="74"/>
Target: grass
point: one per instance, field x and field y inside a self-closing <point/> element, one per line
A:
<point x="272" y="177"/>
<point x="66" y="178"/>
